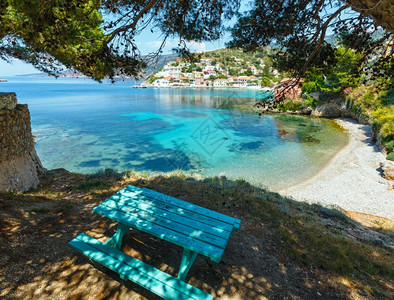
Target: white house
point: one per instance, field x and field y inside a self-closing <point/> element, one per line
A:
<point x="231" y="79"/>
<point x="242" y="80"/>
<point x="212" y="73"/>
<point x="162" y="82"/>
<point x="274" y="71"/>
<point x="220" y="82"/>
<point x="170" y="68"/>
<point x="209" y="68"/>
<point x="205" y="61"/>
<point x="254" y="70"/>
<point x="174" y="74"/>
<point x="162" y="74"/>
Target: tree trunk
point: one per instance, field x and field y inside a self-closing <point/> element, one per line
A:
<point x="382" y="11"/>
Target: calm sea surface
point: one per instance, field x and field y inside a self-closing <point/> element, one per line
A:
<point x="84" y="126"/>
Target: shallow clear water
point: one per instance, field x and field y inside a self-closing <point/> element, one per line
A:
<point x="84" y="127"/>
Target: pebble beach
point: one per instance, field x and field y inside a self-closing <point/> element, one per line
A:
<point x="352" y="180"/>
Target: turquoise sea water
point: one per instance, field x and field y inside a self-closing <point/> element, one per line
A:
<point x="84" y="126"/>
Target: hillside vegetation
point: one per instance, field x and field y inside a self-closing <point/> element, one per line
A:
<point x="219" y="68"/>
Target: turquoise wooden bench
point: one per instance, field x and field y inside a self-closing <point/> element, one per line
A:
<point x="196" y="229"/>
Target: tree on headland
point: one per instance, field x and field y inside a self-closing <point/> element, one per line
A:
<point x="339" y="77"/>
<point x="300" y="29"/>
<point x="98" y="37"/>
<point x="265" y="81"/>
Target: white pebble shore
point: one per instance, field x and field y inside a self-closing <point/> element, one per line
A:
<point x="352" y="179"/>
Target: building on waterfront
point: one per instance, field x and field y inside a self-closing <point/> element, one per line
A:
<point x="162" y="82"/>
<point x="220" y="82"/>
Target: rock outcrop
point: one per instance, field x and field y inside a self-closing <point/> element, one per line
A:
<point x="339" y="108"/>
<point x="387" y="169"/>
<point x="19" y="163"/>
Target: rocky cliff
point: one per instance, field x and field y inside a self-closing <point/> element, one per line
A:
<point x="19" y="163"/>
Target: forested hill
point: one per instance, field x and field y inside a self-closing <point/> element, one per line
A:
<point x="154" y="66"/>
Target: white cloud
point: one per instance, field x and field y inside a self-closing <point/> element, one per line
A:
<point x="196" y="46"/>
<point x="152" y="46"/>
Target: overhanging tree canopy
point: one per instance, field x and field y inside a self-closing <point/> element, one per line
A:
<point x="300" y="28"/>
<point x="75" y="33"/>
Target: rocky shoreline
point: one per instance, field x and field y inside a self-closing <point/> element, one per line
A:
<point x="334" y="108"/>
<point x="353" y="179"/>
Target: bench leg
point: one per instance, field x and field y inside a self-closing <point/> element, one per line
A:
<point x="116" y="239"/>
<point x="188" y="258"/>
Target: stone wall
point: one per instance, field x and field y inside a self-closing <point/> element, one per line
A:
<point x="19" y="163"/>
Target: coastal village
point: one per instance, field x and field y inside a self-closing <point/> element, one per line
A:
<point x="218" y="70"/>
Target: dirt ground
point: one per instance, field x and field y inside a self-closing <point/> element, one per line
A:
<point x="37" y="263"/>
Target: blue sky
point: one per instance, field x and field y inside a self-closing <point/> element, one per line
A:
<point x="147" y="42"/>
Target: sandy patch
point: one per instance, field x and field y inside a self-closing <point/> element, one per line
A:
<point x="352" y="180"/>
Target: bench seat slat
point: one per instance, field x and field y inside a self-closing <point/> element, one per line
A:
<point x="137" y="271"/>
<point x="185" y="205"/>
<point x="163" y="218"/>
<point x="213" y="252"/>
<point x="201" y="221"/>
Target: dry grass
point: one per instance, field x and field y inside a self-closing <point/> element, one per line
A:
<point x="348" y="253"/>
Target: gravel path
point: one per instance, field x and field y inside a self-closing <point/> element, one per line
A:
<point x="352" y="179"/>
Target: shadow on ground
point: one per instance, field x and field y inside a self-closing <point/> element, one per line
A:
<point x="284" y="249"/>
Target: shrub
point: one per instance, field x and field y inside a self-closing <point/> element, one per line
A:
<point x="390" y="156"/>
<point x="265" y="81"/>
<point x="390" y="146"/>
<point x="106" y="174"/>
<point x="310" y="101"/>
<point x="290" y="105"/>
<point x="93" y="185"/>
<point x="384" y="117"/>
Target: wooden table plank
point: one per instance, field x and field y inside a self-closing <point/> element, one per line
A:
<point x="213" y="252"/>
<point x="153" y="216"/>
<point x="191" y="211"/>
<point x="177" y="215"/>
<point x="193" y="207"/>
